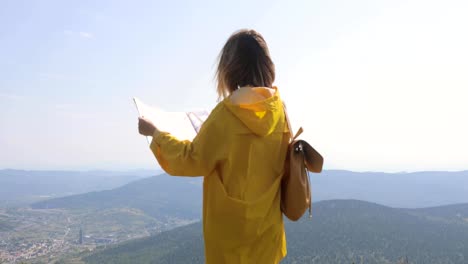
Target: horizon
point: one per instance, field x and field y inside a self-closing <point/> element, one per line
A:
<point x="377" y="86"/>
<point x="161" y="171"/>
<point x="445" y="188"/>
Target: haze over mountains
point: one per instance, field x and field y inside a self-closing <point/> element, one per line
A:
<point x="20" y="187"/>
<point x="183" y="194"/>
<point x="408" y="190"/>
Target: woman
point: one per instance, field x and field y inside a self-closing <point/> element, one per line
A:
<point x="240" y="150"/>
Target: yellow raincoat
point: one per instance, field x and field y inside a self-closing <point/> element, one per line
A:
<point x="240" y="150"/>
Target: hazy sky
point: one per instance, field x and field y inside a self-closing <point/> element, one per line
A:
<point x="377" y="85"/>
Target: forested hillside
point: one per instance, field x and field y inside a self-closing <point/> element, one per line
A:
<point x="341" y="231"/>
<point x="157" y="196"/>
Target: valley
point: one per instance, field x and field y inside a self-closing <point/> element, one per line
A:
<point x="51" y="234"/>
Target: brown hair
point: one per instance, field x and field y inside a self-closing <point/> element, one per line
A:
<point x="244" y="60"/>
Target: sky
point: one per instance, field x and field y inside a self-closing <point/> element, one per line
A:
<point x="376" y="85"/>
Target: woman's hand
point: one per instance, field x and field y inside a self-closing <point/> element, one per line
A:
<point x="146" y="127"/>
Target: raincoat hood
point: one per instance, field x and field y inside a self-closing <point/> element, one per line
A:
<point x="259" y="108"/>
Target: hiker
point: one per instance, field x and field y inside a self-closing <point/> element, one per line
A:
<point x="240" y="150"/>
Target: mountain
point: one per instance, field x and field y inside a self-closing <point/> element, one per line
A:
<point x="157" y="196"/>
<point x="182" y="195"/>
<point x="412" y="190"/>
<point x="19" y="187"/>
<point x="163" y="202"/>
<point x="341" y="231"/>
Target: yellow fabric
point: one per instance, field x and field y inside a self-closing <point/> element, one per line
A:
<point x="240" y="150"/>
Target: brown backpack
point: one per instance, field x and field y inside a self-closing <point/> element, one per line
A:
<point x="295" y="186"/>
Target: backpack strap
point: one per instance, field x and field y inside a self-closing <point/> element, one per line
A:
<point x="288" y="121"/>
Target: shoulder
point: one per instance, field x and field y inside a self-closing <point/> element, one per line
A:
<point x="219" y="111"/>
<point x="215" y="118"/>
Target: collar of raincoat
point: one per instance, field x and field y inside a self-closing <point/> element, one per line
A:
<point x="257" y="107"/>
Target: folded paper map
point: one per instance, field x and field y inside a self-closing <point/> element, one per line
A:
<point x="183" y="125"/>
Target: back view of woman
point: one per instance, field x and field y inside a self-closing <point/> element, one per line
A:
<point x="240" y="150"/>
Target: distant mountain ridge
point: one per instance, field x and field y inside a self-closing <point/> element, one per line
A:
<point x="19" y="187"/>
<point x="406" y="190"/>
<point x="341" y="231"/>
<point x="183" y="194"/>
<point x="157" y="196"/>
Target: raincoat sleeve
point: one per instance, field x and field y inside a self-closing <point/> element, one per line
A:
<point x="188" y="158"/>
